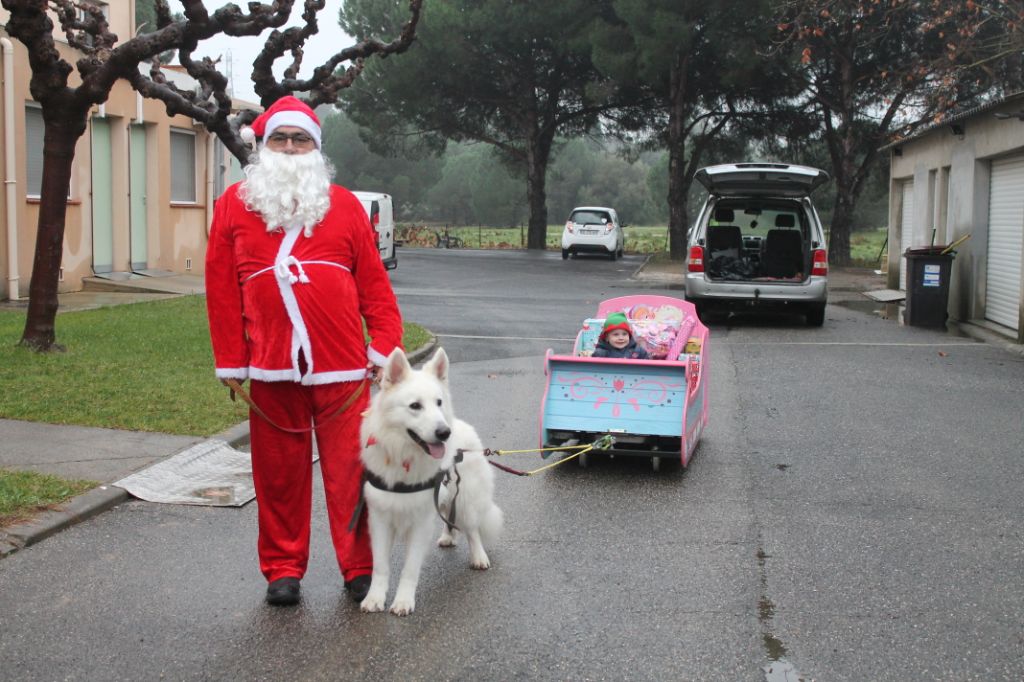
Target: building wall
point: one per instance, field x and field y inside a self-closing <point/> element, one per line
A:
<point x="175" y="233"/>
<point x="951" y="170"/>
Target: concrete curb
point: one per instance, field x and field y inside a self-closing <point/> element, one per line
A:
<point x="87" y="505"/>
<point x="108" y="496"/>
<point x="421" y="353"/>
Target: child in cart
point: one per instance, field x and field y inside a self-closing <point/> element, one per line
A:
<point x="617" y="340"/>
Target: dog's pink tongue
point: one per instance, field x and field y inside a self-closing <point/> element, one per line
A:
<point x="436" y="450"/>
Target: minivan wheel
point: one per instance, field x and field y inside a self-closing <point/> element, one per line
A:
<point x="613" y="254"/>
<point x="565" y="254"/>
<point x="815" y="315"/>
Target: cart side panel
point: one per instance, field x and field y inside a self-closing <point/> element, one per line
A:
<point x="610" y="396"/>
<point x="697" y="396"/>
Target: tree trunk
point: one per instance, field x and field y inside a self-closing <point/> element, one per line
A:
<point x="842" y="223"/>
<point x="59" y="139"/>
<point x="678" y="183"/>
<point x="538" y="152"/>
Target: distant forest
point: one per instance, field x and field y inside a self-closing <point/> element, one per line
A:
<point x="469" y="185"/>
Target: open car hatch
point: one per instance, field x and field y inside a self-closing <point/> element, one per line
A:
<point x="756" y="179"/>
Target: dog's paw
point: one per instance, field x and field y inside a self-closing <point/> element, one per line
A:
<point x="480" y="563"/>
<point x="446" y="540"/>
<point x="403" y="607"/>
<point x="372" y="604"/>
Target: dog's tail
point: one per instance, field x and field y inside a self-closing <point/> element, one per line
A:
<point x="492" y="524"/>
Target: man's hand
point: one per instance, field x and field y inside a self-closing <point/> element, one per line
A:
<point x="373" y="373"/>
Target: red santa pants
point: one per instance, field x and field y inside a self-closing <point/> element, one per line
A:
<point x="282" y="471"/>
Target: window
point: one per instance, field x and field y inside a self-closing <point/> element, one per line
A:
<point x="33" y="150"/>
<point x="183" y="167"/>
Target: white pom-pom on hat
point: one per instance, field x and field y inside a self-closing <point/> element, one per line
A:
<point x="248" y="135"/>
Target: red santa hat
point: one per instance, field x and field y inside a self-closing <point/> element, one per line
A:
<point x="287" y="111"/>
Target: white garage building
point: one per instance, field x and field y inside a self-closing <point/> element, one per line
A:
<point x="963" y="176"/>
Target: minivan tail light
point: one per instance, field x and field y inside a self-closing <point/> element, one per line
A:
<point x="819" y="263"/>
<point x="609" y="226"/>
<point x="695" y="263"/>
<point x="569" y="227"/>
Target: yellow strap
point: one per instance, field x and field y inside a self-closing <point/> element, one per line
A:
<point x="557" y="462"/>
<point x="563" y="447"/>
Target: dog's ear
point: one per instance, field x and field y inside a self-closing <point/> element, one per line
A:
<point x="396" y="368"/>
<point x="438" y="365"/>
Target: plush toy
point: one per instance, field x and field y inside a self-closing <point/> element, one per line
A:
<point x="656" y="336"/>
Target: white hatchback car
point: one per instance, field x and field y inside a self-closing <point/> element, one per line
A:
<point x="593" y="229"/>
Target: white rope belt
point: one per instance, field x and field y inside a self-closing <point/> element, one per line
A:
<point x="282" y="269"/>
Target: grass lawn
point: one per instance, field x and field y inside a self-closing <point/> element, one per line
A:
<point x="141" y="367"/>
<point x="23" y="493"/>
<point x="865" y="245"/>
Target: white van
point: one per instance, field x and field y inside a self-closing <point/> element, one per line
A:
<point x="378" y="207"/>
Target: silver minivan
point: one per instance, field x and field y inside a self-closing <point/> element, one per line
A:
<point x="758" y="241"/>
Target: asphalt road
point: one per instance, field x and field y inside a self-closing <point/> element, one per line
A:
<point x="853" y="513"/>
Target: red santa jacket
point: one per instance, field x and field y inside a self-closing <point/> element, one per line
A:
<point x="271" y="294"/>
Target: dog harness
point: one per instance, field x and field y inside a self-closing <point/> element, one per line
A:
<point x="442" y="478"/>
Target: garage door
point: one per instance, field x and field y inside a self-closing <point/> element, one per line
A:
<point x="1005" y="238"/>
<point x="906" y="229"/>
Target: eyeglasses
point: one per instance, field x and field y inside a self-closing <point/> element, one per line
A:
<point x="297" y="139"/>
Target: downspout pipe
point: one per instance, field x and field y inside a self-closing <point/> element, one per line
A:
<point x="212" y="167"/>
<point x="10" y="173"/>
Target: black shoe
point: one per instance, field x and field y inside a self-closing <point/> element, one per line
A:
<point x="358" y="587"/>
<point x="283" y="592"/>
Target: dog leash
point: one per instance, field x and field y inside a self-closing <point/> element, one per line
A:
<point x="236" y="389"/>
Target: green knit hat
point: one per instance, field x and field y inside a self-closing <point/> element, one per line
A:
<point x="616" y="321"/>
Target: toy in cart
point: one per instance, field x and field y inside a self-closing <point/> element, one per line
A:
<point x="653" y="408"/>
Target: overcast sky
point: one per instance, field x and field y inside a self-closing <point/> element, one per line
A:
<point x="330" y="40"/>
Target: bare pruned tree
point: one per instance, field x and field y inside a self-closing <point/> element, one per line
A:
<point x="104" y="59"/>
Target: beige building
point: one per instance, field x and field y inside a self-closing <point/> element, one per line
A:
<point x="142" y="187"/>
<point x="965" y="176"/>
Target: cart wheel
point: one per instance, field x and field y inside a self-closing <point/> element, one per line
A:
<point x="656" y="463"/>
<point x="582" y="459"/>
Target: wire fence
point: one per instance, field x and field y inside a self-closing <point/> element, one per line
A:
<point x="639" y="239"/>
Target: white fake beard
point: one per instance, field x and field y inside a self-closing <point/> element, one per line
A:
<point x="288" y="189"/>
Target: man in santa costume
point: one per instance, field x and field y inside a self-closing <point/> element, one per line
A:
<point x="292" y="272"/>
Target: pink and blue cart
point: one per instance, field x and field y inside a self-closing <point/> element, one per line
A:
<point x="653" y="408"/>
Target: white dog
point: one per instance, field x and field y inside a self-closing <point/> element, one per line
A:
<point x="411" y="440"/>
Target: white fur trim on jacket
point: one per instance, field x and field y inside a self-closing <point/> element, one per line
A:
<point x="300" y="336"/>
<point x="270" y="375"/>
<point x="295" y="119"/>
<point x="232" y="373"/>
<point x="375" y="357"/>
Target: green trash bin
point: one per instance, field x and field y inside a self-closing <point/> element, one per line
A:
<point x="928" y="271"/>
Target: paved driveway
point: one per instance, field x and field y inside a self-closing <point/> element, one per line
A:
<point x="853" y="513"/>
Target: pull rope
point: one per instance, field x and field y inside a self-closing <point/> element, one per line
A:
<point x="602" y="443"/>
